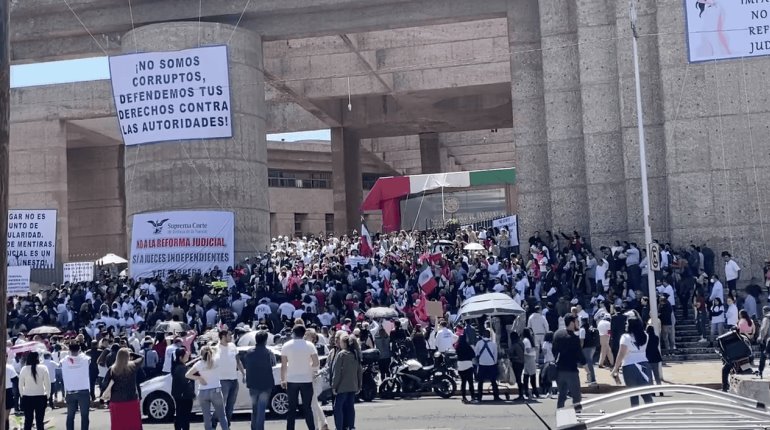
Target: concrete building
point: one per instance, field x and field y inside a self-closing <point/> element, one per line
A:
<point x="435" y="85"/>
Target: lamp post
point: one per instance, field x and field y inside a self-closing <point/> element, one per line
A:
<point x="643" y="165"/>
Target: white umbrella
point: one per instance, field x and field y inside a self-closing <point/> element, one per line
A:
<point x="492" y="304"/>
<point x="474" y="247"/>
<point x="111" y="259"/>
<point x="45" y="330"/>
<point x="381" y="312"/>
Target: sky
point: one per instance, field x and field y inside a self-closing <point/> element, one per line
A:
<point x="97" y="68"/>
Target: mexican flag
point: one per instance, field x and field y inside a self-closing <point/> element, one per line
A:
<point x="366" y="246"/>
<point x="427" y="281"/>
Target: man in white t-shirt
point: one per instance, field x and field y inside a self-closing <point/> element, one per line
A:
<point x="299" y="363"/>
<point x="263" y="309"/>
<point x="287" y="310"/>
<point x="229" y="366"/>
<point x="76" y="377"/>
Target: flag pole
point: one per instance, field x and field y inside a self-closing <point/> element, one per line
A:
<point x="643" y="165"/>
<point x="5" y="117"/>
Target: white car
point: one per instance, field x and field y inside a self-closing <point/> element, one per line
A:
<point x="158" y="405"/>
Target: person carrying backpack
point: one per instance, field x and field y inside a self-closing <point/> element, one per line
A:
<point x="151" y="360"/>
<point x="589" y="339"/>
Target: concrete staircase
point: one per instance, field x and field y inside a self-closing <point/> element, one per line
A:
<point x="687" y="346"/>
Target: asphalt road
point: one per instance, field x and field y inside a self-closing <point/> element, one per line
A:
<point x="425" y="413"/>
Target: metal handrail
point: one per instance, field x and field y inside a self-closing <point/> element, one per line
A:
<point x="687" y="389"/>
<point x="757" y="418"/>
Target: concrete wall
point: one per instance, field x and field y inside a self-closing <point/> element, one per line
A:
<point x="96" y="202"/>
<point x="38" y="176"/>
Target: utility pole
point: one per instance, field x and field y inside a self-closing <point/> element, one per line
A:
<point x="5" y="118"/>
<point x="643" y="164"/>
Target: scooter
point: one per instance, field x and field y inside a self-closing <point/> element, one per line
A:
<point x="369" y="383"/>
<point x="412" y="378"/>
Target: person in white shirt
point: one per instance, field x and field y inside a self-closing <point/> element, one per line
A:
<point x="263" y="309"/>
<point x="539" y="326"/>
<point x="75" y="374"/>
<point x="732" y="272"/>
<point x="299" y="363"/>
<point x="731" y="313"/>
<point x="632" y="356"/>
<point x="10" y="397"/>
<point x="326" y="318"/>
<point x="51" y="366"/>
<point x="486" y="354"/>
<point x="717" y="289"/>
<point x="206" y="373"/>
<point x="229" y="366"/>
<point x="287" y="310"/>
<point x="34" y="388"/>
<point x="604" y="341"/>
<point x="168" y="359"/>
<point x="445" y="338"/>
<point x="602" y="281"/>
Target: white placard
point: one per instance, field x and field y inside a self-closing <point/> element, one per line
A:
<point x="177" y="95"/>
<point x="32" y="238"/>
<point x="510" y="223"/>
<point x="720" y="29"/>
<point x="79" y="272"/>
<point x="186" y="242"/>
<point x="17" y="282"/>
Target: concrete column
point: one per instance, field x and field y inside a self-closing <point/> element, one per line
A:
<point x="346" y="179"/>
<point x="216" y="174"/>
<point x="430" y="153"/>
<point x="563" y="113"/>
<point x="529" y="138"/>
<point x="38" y="175"/>
<point x="603" y="145"/>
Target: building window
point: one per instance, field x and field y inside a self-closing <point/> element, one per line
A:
<point x="299" y="179"/>
<point x="368" y="180"/>
<point x="299" y="222"/>
<point x="329" y="223"/>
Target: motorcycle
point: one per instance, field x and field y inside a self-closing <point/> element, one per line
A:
<point x="411" y="377"/>
<point x="369" y="359"/>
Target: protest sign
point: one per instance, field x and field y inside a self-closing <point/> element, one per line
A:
<point x="32" y="238"/>
<point x="718" y="30"/>
<point x="17" y="281"/>
<point x="510" y="223"/>
<point x="79" y="272"/>
<point x="161" y="96"/>
<point x="186" y="242"/>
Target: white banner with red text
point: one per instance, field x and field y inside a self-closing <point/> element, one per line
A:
<point x="182" y="242"/>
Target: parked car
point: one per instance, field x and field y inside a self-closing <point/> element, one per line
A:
<point x="158" y="405"/>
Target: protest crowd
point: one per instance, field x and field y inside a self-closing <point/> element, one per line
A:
<point x="584" y="308"/>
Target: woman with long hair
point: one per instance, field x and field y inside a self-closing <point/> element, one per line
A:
<point x="530" y="362"/>
<point x="34" y="388"/>
<point x="347" y="376"/>
<point x="632" y="356"/>
<point x="516" y="355"/>
<point x="745" y="325"/>
<point x="653" y="355"/>
<point x="182" y="389"/>
<point x="125" y="413"/>
<point x="206" y="374"/>
<point x="465" y="356"/>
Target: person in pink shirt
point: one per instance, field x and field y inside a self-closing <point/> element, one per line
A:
<point x="745" y="325"/>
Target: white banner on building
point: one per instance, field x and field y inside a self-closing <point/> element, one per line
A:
<point x="79" y="272"/>
<point x="177" y="95"/>
<point x="17" y="283"/>
<point x="185" y="242"/>
<point x="510" y="223"/>
<point x="32" y="238"/>
<point x="727" y="29"/>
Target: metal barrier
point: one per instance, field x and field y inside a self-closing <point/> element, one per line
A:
<point x="717" y="410"/>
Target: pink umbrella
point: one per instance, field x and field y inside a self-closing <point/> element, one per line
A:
<point x="27" y="347"/>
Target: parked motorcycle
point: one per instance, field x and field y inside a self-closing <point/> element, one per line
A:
<point x="412" y="378"/>
<point x="369" y="359"/>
